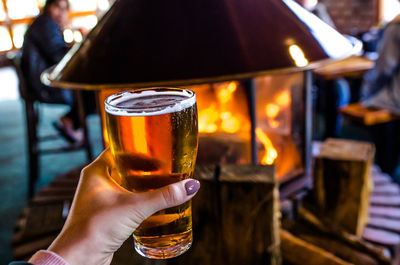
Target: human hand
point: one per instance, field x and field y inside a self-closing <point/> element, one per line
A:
<point x="103" y="214"/>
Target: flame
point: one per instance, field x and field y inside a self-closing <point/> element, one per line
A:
<point x="225" y="94"/>
<point x="270" y="151"/>
<point x="229" y="123"/>
<point x="272" y="110"/>
<point x="283" y="99"/>
<point x="273" y="124"/>
<point x="208" y="119"/>
<point x="223" y="114"/>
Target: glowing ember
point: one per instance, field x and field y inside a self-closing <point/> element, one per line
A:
<point x="270" y="151"/>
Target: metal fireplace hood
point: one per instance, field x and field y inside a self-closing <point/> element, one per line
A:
<point x="142" y="43"/>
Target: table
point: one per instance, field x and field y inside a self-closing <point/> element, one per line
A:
<point x="353" y="66"/>
<point x="329" y="79"/>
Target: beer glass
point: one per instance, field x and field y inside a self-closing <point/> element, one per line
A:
<point x="153" y="138"/>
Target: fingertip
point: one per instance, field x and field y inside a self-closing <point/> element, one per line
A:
<point x="191" y="186"/>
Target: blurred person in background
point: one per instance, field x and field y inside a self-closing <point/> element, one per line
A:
<point x="381" y="86"/>
<point x="44" y="46"/>
<point x="381" y="90"/>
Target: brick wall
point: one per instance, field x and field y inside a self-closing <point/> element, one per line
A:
<point x="352" y="16"/>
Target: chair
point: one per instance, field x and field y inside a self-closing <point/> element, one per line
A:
<point x="32" y="105"/>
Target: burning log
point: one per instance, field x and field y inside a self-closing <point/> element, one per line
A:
<point x="223" y="148"/>
<point x="342" y="182"/>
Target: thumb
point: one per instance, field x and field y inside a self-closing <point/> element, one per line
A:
<point x="168" y="196"/>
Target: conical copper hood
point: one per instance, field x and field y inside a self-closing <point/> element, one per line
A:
<point x="141" y="43"/>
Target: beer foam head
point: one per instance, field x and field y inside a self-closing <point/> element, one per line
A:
<point x="148" y="102"/>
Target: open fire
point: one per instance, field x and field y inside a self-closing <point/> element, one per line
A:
<point x="225" y="126"/>
<point x="224" y="113"/>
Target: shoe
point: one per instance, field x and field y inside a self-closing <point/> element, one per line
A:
<point x="71" y="135"/>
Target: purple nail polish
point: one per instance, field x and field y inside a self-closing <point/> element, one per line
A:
<point x="192" y="186"/>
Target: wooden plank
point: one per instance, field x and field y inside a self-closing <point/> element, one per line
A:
<point x="58" y="190"/>
<point x="384" y="238"/>
<point x="386" y="189"/>
<point x="50" y="199"/>
<point x="384" y="223"/>
<point x="381" y="179"/>
<point x="385" y="200"/>
<point x="338" y="248"/>
<point x="381" y="237"/>
<point x="40" y="220"/>
<point x="323" y="225"/>
<point x="298" y="251"/>
<point x="385" y="211"/>
<point x="342" y="182"/>
<point x="28" y="248"/>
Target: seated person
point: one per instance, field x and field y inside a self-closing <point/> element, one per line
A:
<point x="381" y="87"/>
<point x="44" y="47"/>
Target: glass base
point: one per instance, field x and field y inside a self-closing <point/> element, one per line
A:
<point x="165" y="252"/>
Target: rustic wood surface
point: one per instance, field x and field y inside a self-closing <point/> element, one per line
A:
<point x="367" y="116"/>
<point x="353" y="66"/>
<point x="326" y="228"/>
<point x="342" y="182"/>
<point x="298" y="251"/>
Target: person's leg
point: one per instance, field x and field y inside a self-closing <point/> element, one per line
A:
<point x="342" y="99"/>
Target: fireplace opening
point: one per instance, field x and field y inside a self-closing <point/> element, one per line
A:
<point x="225" y="123"/>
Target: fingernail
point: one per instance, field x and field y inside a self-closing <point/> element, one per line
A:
<point x="192" y="186"/>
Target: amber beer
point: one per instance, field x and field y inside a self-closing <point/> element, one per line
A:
<point x="153" y="138"/>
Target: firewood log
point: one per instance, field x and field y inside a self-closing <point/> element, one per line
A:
<point x="325" y="225"/>
<point x="342" y="182"/>
<point x="339" y="249"/>
<point x="299" y="252"/>
<point x="235" y="217"/>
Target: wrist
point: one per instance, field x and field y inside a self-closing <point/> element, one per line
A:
<point x="45" y="257"/>
<point x="78" y="248"/>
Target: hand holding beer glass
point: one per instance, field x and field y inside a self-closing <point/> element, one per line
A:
<point x="153" y="139"/>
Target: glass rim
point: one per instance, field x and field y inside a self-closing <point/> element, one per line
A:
<point x="113" y="109"/>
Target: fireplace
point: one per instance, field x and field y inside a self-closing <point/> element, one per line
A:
<point x="265" y="120"/>
<point x="259" y="121"/>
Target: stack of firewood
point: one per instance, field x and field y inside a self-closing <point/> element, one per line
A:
<point x="335" y="223"/>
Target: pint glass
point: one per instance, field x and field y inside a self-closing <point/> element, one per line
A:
<point x="153" y="138"/>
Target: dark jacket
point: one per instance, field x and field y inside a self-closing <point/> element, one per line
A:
<point x="43" y="47"/>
